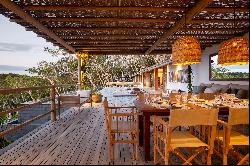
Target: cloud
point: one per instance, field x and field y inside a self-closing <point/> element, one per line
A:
<point x="12" y="47"/>
<point x="5" y="50"/>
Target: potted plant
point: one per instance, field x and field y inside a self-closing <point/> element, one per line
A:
<point x="96" y="96"/>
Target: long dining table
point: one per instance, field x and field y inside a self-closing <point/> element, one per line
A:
<point x="148" y="110"/>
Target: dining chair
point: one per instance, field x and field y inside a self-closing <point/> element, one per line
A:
<point x="122" y="125"/>
<point x="207" y="96"/>
<point x="167" y="140"/>
<point x="69" y="101"/>
<point x="172" y="96"/>
<point x="230" y="137"/>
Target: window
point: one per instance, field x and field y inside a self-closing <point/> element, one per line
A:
<point x="226" y="73"/>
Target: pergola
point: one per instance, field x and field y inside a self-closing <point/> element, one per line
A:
<point x="128" y="27"/>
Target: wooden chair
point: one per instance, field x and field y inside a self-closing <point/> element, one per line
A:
<point x="172" y="96"/>
<point x="167" y="140"/>
<point x="206" y="96"/>
<point x="122" y="127"/>
<point x="230" y="137"/>
<point x="69" y="101"/>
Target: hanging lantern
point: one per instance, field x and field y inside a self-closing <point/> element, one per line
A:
<point x="186" y="51"/>
<point x="234" y="52"/>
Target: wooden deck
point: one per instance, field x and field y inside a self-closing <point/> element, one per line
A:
<point x="77" y="138"/>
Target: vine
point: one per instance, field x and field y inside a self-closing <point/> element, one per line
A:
<point x="189" y="79"/>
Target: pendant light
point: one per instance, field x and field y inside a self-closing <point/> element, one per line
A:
<point x="234" y="51"/>
<point x="186" y="50"/>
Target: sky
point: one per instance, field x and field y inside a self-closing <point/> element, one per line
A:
<point x="19" y="47"/>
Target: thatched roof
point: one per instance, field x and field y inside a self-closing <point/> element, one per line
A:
<point x="128" y="26"/>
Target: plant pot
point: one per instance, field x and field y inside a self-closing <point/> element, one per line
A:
<point x="84" y="93"/>
<point x="97" y="98"/>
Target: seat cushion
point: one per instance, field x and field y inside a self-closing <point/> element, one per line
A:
<point x="184" y="139"/>
<point x="236" y="138"/>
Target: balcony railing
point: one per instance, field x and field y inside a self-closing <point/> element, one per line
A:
<point x="51" y="93"/>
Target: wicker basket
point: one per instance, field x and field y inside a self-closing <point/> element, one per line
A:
<point x="96" y="98"/>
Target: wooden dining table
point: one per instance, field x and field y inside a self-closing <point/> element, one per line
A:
<point x="148" y="110"/>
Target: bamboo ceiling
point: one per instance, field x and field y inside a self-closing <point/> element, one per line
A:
<point x="128" y="26"/>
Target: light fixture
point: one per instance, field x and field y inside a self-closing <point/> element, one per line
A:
<point x="234" y="51"/>
<point x="186" y="50"/>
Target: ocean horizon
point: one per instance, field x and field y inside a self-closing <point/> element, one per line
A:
<point x="21" y="72"/>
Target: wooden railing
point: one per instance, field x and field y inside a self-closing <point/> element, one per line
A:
<point x="52" y="111"/>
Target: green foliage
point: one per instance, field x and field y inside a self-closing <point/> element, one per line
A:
<point x="11" y="101"/>
<point x="223" y="73"/>
<point x="4" y="142"/>
<point x="189" y="79"/>
<point x="109" y="68"/>
<point x="63" y="71"/>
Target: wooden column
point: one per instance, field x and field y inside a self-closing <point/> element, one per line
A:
<point x="79" y="73"/>
<point x="142" y="79"/>
<point x="53" y="104"/>
<point x="156" y="79"/>
<point x="147" y="79"/>
<point x="164" y="79"/>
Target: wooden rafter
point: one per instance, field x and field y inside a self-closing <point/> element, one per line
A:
<point x="128" y="40"/>
<point x="119" y="8"/>
<point x="124" y="52"/>
<point x="139" y="35"/>
<point x="18" y="11"/>
<point x="141" y="29"/>
<point x="104" y="29"/>
<point x="133" y="20"/>
<point x="139" y="26"/>
<point x="190" y="15"/>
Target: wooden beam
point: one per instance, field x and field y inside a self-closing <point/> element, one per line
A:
<point x="125" y="52"/>
<point x="110" y="42"/>
<point x="29" y="19"/>
<point x="83" y="19"/>
<point x="103" y="29"/>
<point x="101" y="8"/>
<point x="178" y="25"/>
<point x="134" y="36"/>
<point x="126" y="40"/>
<point x="219" y="21"/>
<point x="113" y="45"/>
<point x="104" y="40"/>
<point x="119" y="8"/>
<point x="173" y="29"/>
<point x="133" y="20"/>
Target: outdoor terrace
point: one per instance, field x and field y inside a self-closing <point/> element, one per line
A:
<point x="78" y="138"/>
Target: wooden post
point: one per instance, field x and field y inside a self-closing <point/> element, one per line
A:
<point x="53" y="103"/>
<point x="147" y="79"/>
<point x="79" y="73"/>
<point x="156" y="79"/>
<point x="164" y="74"/>
<point x="142" y="79"/>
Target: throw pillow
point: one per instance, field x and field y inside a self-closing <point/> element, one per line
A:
<point x="228" y="90"/>
<point x="242" y="94"/>
<point x="234" y="90"/>
<point x="202" y="89"/>
<point x="209" y="90"/>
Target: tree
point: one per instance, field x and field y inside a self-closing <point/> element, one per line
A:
<point x="63" y="71"/>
